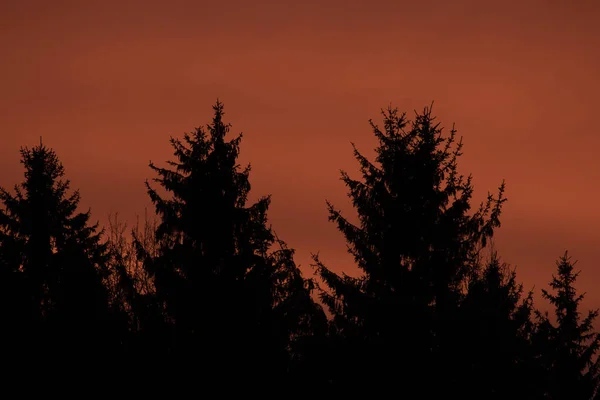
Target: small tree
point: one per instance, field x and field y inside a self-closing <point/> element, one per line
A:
<point x="58" y="261"/>
<point x="493" y="337"/>
<point x="569" y="346"/>
<point x="132" y="288"/>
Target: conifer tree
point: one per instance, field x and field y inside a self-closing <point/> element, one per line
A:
<point x="58" y="261"/>
<point x="230" y="289"/>
<point x="495" y="359"/>
<point x="415" y="242"/>
<point x="568" y="347"/>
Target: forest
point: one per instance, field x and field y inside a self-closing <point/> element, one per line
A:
<point x="207" y="291"/>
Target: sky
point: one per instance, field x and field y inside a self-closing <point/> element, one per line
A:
<point x="106" y="83"/>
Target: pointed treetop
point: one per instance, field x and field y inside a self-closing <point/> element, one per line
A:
<point x="218" y="128"/>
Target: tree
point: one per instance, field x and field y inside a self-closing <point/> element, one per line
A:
<point x="58" y="262"/>
<point x="132" y="288"/>
<point x="415" y="243"/>
<point x="569" y="346"/>
<point x="494" y="336"/>
<point x="227" y="293"/>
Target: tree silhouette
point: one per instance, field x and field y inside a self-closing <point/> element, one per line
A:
<point x="227" y="294"/>
<point x="132" y="288"/>
<point x="208" y="294"/>
<point x="569" y="346"/>
<point x="493" y="340"/>
<point x="58" y="263"/>
<point x="415" y="243"/>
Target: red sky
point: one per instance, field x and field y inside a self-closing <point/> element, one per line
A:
<point x="106" y="82"/>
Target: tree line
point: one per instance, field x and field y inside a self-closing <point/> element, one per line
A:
<point x="209" y="286"/>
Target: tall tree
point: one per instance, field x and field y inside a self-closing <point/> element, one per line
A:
<point x="568" y="346"/>
<point x="228" y="292"/>
<point x="415" y="242"/>
<point x="58" y="260"/>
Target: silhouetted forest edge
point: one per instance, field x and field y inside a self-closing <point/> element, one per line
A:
<point x="206" y="290"/>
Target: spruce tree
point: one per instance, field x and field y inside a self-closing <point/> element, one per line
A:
<point x="58" y="261"/>
<point x="415" y="242"/>
<point x="229" y="289"/>
<point x="568" y="346"/>
<point x="493" y="338"/>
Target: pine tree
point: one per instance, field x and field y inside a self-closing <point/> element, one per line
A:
<point x="414" y="244"/>
<point x="494" y="336"/>
<point x="569" y="346"/>
<point x="227" y="292"/>
<point x="59" y="262"/>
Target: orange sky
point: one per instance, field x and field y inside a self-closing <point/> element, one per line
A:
<point x="106" y="82"/>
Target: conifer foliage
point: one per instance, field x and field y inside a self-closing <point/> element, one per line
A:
<point x="415" y="243"/>
<point x="493" y="335"/>
<point x="229" y="287"/>
<point x="206" y="290"/>
<point x="569" y="346"/>
<point x="54" y="264"/>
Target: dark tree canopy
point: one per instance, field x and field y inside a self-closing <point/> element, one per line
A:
<point x="415" y="243"/>
<point x="56" y="261"/>
<point x="493" y="338"/>
<point x="569" y="346"/>
<point x="205" y="297"/>
<point x="229" y="287"/>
